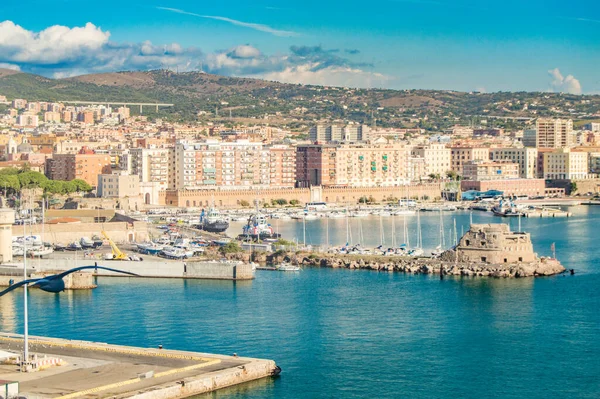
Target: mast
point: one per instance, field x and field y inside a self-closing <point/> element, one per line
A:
<point x="455" y="236"/>
<point x="394" y="231"/>
<point x="381" y="229"/>
<point x="327" y="233"/>
<point x="419" y="233"/>
<point x="304" y="229"/>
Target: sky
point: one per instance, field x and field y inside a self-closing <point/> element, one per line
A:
<point x="465" y="45"/>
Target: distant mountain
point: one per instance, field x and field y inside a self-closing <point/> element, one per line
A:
<point x="254" y="100"/>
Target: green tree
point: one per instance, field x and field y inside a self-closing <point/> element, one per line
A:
<point x="31" y="179"/>
<point x="244" y="203"/>
<point x="294" y="202"/>
<point x="10" y="183"/>
<point x="572" y="187"/>
<point x="230" y="248"/>
<point x="82" y="185"/>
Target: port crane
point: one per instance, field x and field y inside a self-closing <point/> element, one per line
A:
<point x="117" y="254"/>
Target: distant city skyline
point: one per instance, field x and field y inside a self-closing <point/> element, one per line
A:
<point x="466" y="45"/>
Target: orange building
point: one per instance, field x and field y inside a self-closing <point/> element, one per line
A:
<point x="84" y="165"/>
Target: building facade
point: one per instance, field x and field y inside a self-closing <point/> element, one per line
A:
<point x="554" y="133"/>
<point x="490" y="170"/>
<point x="460" y="155"/>
<point x="437" y="158"/>
<point x="565" y="164"/>
<point x="526" y="158"/>
<point x="118" y="186"/>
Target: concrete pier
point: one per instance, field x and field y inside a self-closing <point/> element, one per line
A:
<point x="99" y="370"/>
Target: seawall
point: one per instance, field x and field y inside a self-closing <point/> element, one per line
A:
<point x="152" y="267"/>
<point x="541" y="267"/>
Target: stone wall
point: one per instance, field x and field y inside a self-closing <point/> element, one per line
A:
<point x="119" y="232"/>
<point x="341" y="195"/>
<point x="75" y="281"/>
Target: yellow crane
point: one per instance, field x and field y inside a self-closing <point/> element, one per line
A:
<point x="116" y="252"/>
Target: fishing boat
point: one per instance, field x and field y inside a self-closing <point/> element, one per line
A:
<point x="213" y="221"/>
<point x="173" y="253"/>
<point x="506" y="209"/>
<point x="40" y="251"/>
<point x="150" y="248"/>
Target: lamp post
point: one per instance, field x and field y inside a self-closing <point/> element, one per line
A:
<point x="25" y="361"/>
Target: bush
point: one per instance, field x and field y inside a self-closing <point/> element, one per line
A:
<point x="230" y="248"/>
<point x="294" y="202"/>
<point x="244" y="203"/>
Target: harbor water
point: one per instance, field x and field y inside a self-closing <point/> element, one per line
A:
<point x="365" y="334"/>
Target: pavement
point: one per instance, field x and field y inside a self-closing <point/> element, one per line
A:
<point x="96" y="370"/>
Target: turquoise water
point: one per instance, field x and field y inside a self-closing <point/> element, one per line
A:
<point x="357" y="334"/>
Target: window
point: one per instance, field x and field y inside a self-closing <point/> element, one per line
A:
<point x="484" y="259"/>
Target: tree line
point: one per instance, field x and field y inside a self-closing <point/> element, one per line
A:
<point x="14" y="180"/>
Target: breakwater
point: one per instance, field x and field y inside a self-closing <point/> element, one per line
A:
<point x="541" y="267"/>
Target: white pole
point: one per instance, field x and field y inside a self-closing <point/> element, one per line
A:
<point x="327" y="233"/>
<point x="304" y="229"/>
<point x="25" y="305"/>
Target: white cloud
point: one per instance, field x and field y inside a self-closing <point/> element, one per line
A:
<point x="329" y="76"/>
<point x="53" y="44"/>
<point x="564" y="84"/>
<point x="60" y="51"/>
<point x="251" y="25"/>
<point x="4" y="65"/>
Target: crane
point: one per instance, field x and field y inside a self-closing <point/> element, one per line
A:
<point x="116" y="252"/>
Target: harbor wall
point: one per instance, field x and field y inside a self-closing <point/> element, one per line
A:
<point x="74" y="281"/>
<point x="119" y="232"/>
<point x="341" y="195"/>
<point x="154" y="268"/>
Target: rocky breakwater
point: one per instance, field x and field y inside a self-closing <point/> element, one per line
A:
<point x="490" y="250"/>
<point x="545" y="267"/>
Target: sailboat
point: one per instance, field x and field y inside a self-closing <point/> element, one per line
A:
<point x="440" y="248"/>
<point x="418" y="250"/>
<point x="404" y="209"/>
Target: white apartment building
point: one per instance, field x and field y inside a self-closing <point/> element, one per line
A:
<point x="526" y="158"/>
<point x="118" y="185"/>
<point x="437" y="158"/>
<point x="150" y="165"/>
<point x="554" y="133"/>
<point x="370" y="165"/>
<point x="564" y="164"/>
<point x="490" y="170"/>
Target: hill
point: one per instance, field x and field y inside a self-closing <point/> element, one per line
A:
<point x="296" y="106"/>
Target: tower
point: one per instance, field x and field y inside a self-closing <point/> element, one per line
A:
<point x="7" y="218"/>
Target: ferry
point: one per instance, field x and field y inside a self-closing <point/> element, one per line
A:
<point x="213" y="221"/>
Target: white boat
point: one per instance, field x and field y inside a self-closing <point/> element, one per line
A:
<point x="86" y="242"/>
<point x="405" y="211"/>
<point x="384" y="213"/>
<point x="336" y="215"/>
<point x="40" y="251"/>
<point x="17" y="250"/>
<point x="288" y="267"/>
<point x="173" y="253"/>
<point x="359" y="214"/>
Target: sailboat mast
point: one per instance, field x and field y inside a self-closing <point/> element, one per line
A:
<point x="455" y="237"/>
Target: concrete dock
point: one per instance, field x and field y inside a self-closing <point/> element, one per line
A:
<point x="99" y="370"/>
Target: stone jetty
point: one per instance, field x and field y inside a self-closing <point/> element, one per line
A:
<point x="490" y="250"/>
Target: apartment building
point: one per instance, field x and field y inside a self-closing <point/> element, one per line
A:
<point x="315" y="165"/>
<point x="151" y="165"/>
<point x="85" y="166"/>
<point x="118" y="185"/>
<point x="490" y="170"/>
<point x="232" y="165"/>
<point x="437" y="158"/>
<point x="565" y="164"/>
<point x="27" y="120"/>
<point x="554" y="133"/>
<point x="526" y="158"/>
<point x="460" y="155"/>
<point x="530" y="138"/>
<point x="335" y="133"/>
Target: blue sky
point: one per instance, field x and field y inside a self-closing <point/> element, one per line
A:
<point x="441" y="44"/>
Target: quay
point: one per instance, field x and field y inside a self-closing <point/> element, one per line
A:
<point x="82" y="369"/>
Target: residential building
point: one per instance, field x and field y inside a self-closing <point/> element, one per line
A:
<point x="317" y="134"/>
<point x="118" y="185"/>
<point x="85" y="165"/>
<point x="565" y="164"/>
<point x="315" y="165"/>
<point x="554" y="133"/>
<point x="52" y="117"/>
<point x="370" y="165"/>
<point x="437" y="158"/>
<point x="490" y="170"/>
<point x="150" y="165"/>
<point x="333" y="133"/>
<point x="592" y="126"/>
<point x="460" y="155"/>
<point x="27" y="120"/>
<point x="354" y="133"/>
<point x="19" y="103"/>
<point x="527" y="158"/>
<point x="530" y="138"/>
